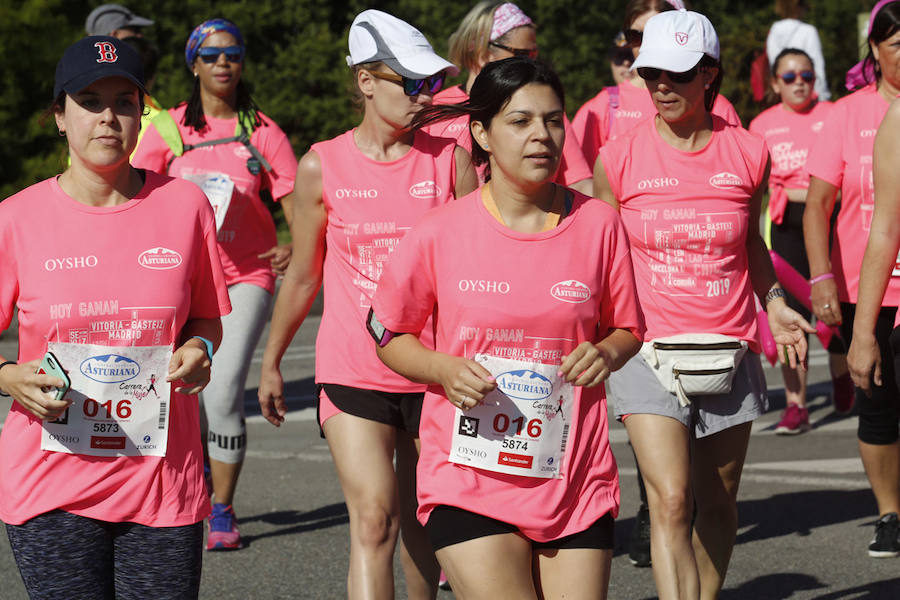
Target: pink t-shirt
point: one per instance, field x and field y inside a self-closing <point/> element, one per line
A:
<point x="572" y="166"/>
<point x="591" y="122"/>
<point x="844" y="160"/>
<point x="81" y="277"/>
<point x="497" y="291"/>
<point x="248" y="229"/>
<point x="371" y="205"/>
<point x="686" y="214"/>
<point x="789" y="136"/>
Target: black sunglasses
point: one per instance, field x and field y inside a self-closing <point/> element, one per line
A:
<point x="520" y="52"/>
<point x="791" y="76"/>
<point x="620" y="56"/>
<point x="411" y="87"/>
<point x="652" y="74"/>
<point x="210" y="54"/>
<point x="633" y="37"/>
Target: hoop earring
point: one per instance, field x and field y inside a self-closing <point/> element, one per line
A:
<point x="61" y="133"/>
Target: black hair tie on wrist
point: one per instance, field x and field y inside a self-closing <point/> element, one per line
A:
<point x="3" y="364"/>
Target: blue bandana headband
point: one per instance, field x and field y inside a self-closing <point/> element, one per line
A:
<point x="203" y="31"/>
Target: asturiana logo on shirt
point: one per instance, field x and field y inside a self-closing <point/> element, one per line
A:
<point x="571" y="291"/>
<point x="817" y="126"/>
<point x="725" y="180"/>
<point x="525" y="384"/>
<point x="159" y="259"/>
<point x="425" y="189"/>
<point x="109" y="368"/>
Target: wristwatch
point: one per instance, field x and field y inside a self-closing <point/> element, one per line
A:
<point x="209" y="345"/>
<point x="775" y="292"/>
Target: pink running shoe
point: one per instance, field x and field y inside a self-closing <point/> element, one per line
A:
<point x="843" y="394"/>
<point x="794" y="420"/>
<point x="223" y="529"/>
<point x="443" y="583"/>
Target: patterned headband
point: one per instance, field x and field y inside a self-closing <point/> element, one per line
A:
<point x="506" y="18"/>
<point x="203" y="31"/>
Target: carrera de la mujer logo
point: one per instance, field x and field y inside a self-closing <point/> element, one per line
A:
<point x="524" y="384"/>
<point x="159" y="259"/>
<point x="571" y="291"/>
<point x="109" y="368"/>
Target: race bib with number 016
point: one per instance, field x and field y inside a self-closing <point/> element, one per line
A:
<point x="120" y="401"/>
<point x="521" y="427"/>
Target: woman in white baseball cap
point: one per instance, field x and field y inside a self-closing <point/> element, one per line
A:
<point x="355" y="197"/>
<point x="691" y="207"/>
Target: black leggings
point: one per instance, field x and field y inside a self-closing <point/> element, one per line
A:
<point x="61" y="555"/>
<point x="879" y="414"/>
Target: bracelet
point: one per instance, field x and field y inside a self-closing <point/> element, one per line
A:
<point x="821" y="277"/>
<point x="209" y="345"/>
<point x="775" y="292"/>
<point x="3" y="364"/>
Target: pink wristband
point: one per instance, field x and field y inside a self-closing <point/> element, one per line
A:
<point x="821" y="277"/>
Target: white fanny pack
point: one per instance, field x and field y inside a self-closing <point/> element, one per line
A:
<point x="694" y="364"/>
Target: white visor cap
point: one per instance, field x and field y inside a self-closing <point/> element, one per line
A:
<point x="676" y="40"/>
<point x="378" y="36"/>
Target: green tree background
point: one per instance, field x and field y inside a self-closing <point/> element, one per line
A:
<point x="296" y="48"/>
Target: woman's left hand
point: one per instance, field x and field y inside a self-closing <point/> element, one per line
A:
<point x="788" y="328"/>
<point x="191" y="365"/>
<point x="279" y="257"/>
<point x="586" y="365"/>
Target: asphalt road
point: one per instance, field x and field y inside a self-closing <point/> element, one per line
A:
<point x="806" y="514"/>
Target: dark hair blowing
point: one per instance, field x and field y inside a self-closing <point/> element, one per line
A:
<point x="246" y="108"/>
<point x="492" y="89"/>
<point x="885" y="25"/>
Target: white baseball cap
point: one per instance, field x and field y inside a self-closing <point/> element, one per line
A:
<point x="378" y="36"/>
<point x="676" y="40"/>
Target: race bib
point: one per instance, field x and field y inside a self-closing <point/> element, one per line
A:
<point x="521" y="428"/>
<point x="218" y="188"/>
<point x="120" y="401"/>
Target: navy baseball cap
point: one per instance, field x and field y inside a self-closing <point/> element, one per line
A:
<point x="96" y="57"/>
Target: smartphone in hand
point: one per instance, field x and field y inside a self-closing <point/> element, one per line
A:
<point x="50" y="366"/>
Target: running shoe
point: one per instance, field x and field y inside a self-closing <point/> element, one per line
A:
<point x="443" y="582"/>
<point x="886" y="543"/>
<point x="639" y="542"/>
<point x="843" y="394"/>
<point x="223" y="529"/>
<point x="794" y="420"/>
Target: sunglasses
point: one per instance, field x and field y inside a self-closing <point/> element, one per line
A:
<point x="791" y="76"/>
<point x="210" y="54"/>
<point x="652" y="74"/>
<point x="620" y="56"/>
<point x="411" y="87"/>
<point x="520" y="52"/>
<point x="633" y="37"/>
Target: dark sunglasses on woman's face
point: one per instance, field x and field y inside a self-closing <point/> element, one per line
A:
<point x="633" y="37"/>
<point x="411" y="87"/>
<point x="620" y="56"/>
<point x="652" y="74"/>
<point x="210" y="54"/>
<point x="520" y="52"/>
<point x="790" y="77"/>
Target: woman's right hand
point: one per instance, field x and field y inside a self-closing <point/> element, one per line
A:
<point x="271" y="396"/>
<point x="864" y="361"/>
<point x="26" y="386"/>
<point x="465" y="382"/>
<point x="825" y="303"/>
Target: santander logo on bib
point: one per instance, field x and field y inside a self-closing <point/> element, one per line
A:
<point x="524" y="385"/>
<point x="571" y="291"/>
<point x="109" y="368"/>
<point x="725" y="180"/>
<point x="159" y="259"/>
<point x="425" y="189"/>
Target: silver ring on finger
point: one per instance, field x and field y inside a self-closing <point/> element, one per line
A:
<point x="462" y="401"/>
<point x="826" y="306"/>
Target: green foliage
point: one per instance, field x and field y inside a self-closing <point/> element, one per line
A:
<point x="295" y="57"/>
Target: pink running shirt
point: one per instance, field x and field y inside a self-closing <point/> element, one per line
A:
<point x="790" y="136"/>
<point x="844" y="160"/>
<point x="572" y="166"/>
<point x="496" y="291"/>
<point x="82" y="277"/>
<point x="686" y="214"/>
<point x="371" y="205"/>
<point x="248" y="229"/>
<point x="591" y="122"/>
